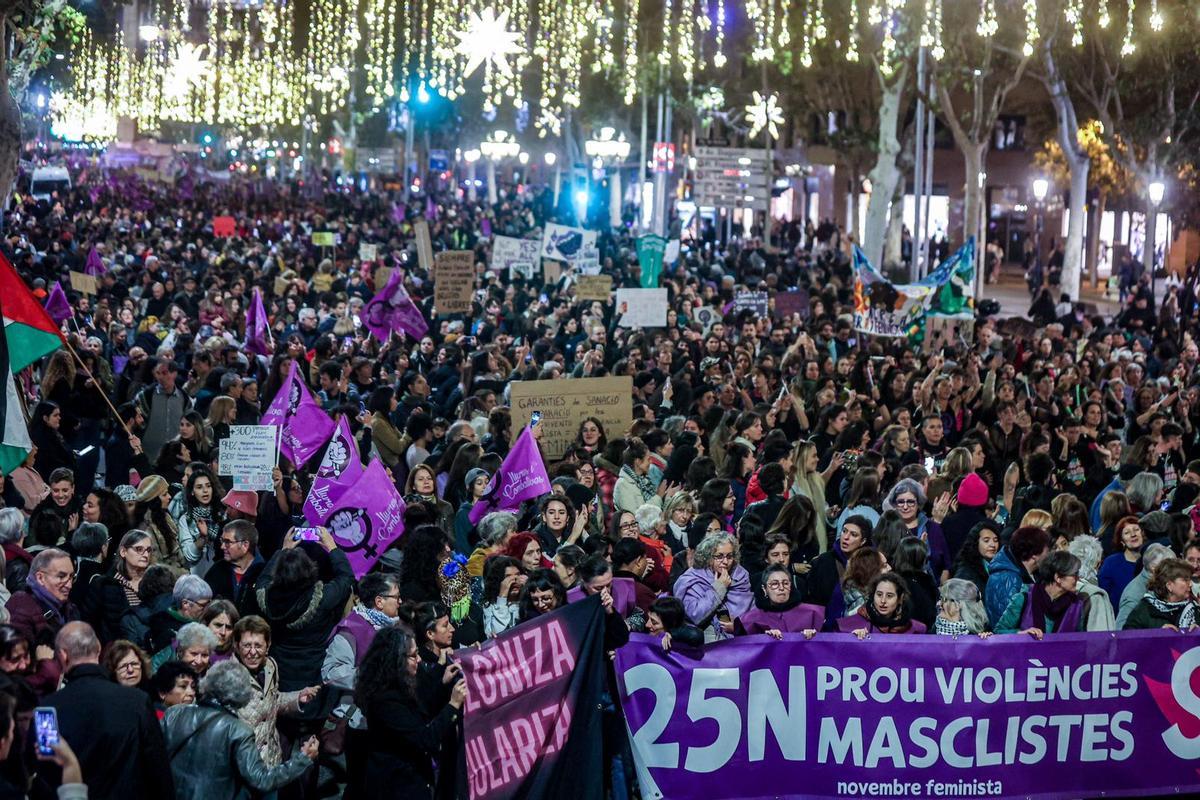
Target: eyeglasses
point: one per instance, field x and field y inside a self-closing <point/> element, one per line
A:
<point x="390" y="596"/>
<point x="141" y="549"/>
<point x="60" y="577"/>
<point x="130" y="666"/>
<point x="904" y="502"/>
<point x="722" y="557"/>
<point x="629" y="526"/>
<point x="231" y="542"/>
<point x="201" y="603"/>
<point x="778" y="585"/>
<point x="252" y="647"/>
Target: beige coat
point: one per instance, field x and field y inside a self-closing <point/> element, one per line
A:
<point x="261" y="712"/>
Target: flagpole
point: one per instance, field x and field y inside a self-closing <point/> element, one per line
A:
<point x="100" y="389"/>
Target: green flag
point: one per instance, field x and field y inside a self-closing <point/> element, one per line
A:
<point x="650" y="250"/>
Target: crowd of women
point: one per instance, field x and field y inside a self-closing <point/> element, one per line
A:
<point x="780" y="475"/>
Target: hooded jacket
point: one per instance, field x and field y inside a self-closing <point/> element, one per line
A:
<point x="1006" y="578"/>
<point x="302" y="621"/>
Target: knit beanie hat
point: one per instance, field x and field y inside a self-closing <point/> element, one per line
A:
<point x="972" y="491"/>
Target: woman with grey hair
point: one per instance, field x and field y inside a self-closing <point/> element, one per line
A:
<point x="960" y="610"/>
<point x="16" y="559"/>
<point x="495" y="529"/>
<point x="1100" y="609"/>
<point x="194" y="646"/>
<point x="716" y="589"/>
<point x="195" y="732"/>
<point x="907" y="499"/>
<point x="1144" y="492"/>
<point x="190" y="596"/>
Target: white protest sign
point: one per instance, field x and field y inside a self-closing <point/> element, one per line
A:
<point x="518" y="256"/>
<point x="575" y="246"/>
<point x="249" y="455"/>
<point x="368" y="252"/>
<point x="642" y="308"/>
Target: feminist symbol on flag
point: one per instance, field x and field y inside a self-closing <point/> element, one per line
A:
<point x="352" y="528"/>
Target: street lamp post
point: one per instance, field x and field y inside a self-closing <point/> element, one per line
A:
<point x="609" y="148"/>
<point x="552" y="161"/>
<point x="1041" y="188"/>
<point x="497" y="146"/>
<point x="471" y="157"/>
<point x="1155" y="192"/>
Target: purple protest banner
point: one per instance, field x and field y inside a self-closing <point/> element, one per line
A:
<point x="392" y="310"/>
<point x="94" y="265"/>
<point x="57" y="304"/>
<point x="303" y="426"/>
<point x="366" y="518"/>
<point x="532" y="717"/>
<point x="340" y="467"/>
<point x="258" y="334"/>
<point x="522" y="476"/>
<point x="915" y="716"/>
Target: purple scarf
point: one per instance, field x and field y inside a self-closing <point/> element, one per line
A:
<point x="48" y="600"/>
<point x="1064" y="612"/>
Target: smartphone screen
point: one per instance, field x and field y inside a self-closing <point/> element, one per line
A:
<point x="306" y="535"/>
<point x="45" y="721"/>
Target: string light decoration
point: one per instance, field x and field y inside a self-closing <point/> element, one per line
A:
<point x="1074" y="15"/>
<point x="1031" y="27"/>
<point x="931" y="29"/>
<point x="852" y="37"/>
<point x="764" y="114"/>
<point x="719" y="54"/>
<point x="380" y="17"/>
<point x="1156" y="19"/>
<point x="487" y="42"/>
<point x="630" y="77"/>
<point x="1127" y="45"/>
<point x="988" y="24"/>
<point x="1103" y="19"/>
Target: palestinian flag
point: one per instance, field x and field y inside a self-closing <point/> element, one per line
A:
<point x="14" y="431"/>
<point x="28" y="329"/>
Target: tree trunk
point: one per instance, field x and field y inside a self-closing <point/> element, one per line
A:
<point x="1073" y="255"/>
<point x="892" y="249"/>
<point x="1077" y="162"/>
<point x="1095" y="222"/>
<point x="973" y="155"/>
<point x="1151" y="235"/>
<point x="10" y="127"/>
<point x="885" y="174"/>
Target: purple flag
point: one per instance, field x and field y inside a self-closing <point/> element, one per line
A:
<point x="57" y="304"/>
<point x="366" y="517"/>
<point x="258" y="334"/>
<point x="94" y="266"/>
<point x="340" y="468"/>
<point x="303" y="426"/>
<point x="430" y="209"/>
<point x="485" y="227"/>
<point x="915" y="716"/>
<point x="397" y="213"/>
<point x="522" y="477"/>
<point x="393" y="310"/>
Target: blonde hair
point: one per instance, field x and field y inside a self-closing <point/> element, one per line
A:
<point x="1037" y="518"/>
<point x="60" y="367"/>
<point x="219" y="407"/>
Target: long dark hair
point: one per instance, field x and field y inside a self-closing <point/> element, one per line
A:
<point x="493" y="576"/>
<point x="424" y="549"/>
<point x="214" y="504"/>
<point x="797" y="520"/>
<point x="384" y="668"/>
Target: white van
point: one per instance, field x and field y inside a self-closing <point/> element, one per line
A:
<point x="47" y="180"/>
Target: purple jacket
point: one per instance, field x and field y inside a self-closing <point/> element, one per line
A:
<point x="795" y="620"/>
<point x="696" y="589"/>
<point x="856" y="622"/>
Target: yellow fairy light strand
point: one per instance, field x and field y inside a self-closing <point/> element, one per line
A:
<point x="1156" y="19"/>
<point x="1103" y="19"/>
<point x="719" y="55"/>
<point x="1074" y="15"/>
<point x="631" y="51"/>
<point x="988" y="24"/>
<point x="852" y="34"/>
<point x="1031" y="27"/>
<point x="1127" y="46"/>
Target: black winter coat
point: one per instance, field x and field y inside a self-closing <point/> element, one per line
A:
<point x="115" y="733"/>
<point x="399" y="752"/>
<point x="302" y="623"/>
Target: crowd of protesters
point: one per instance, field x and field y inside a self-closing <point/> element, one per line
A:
<point x="779" y="476"/>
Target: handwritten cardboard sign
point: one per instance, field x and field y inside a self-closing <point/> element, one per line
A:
<point x="323" y="239"/>
<point x="249" y="455"/>
<point x="453" y="281"/>
<point x="518" y="256"/>
<point x="564" y="404"/>
<point x="593" y="287"/>
<point x="368" y="252"/>
<point x="83" y="283"/>
<point x="751" y="301"/>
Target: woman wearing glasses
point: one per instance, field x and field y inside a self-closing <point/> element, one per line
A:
<point x="779" y="610"/>
<point x="907" y="498"/>
<point x="716" y="589"/>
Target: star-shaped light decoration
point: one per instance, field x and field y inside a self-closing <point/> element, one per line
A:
<point x="764" y="112"/>
<point x="488" y="41"/>
<point x="188" y="69"/>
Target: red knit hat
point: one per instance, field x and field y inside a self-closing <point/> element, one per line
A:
<point x="972" y="491"/>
